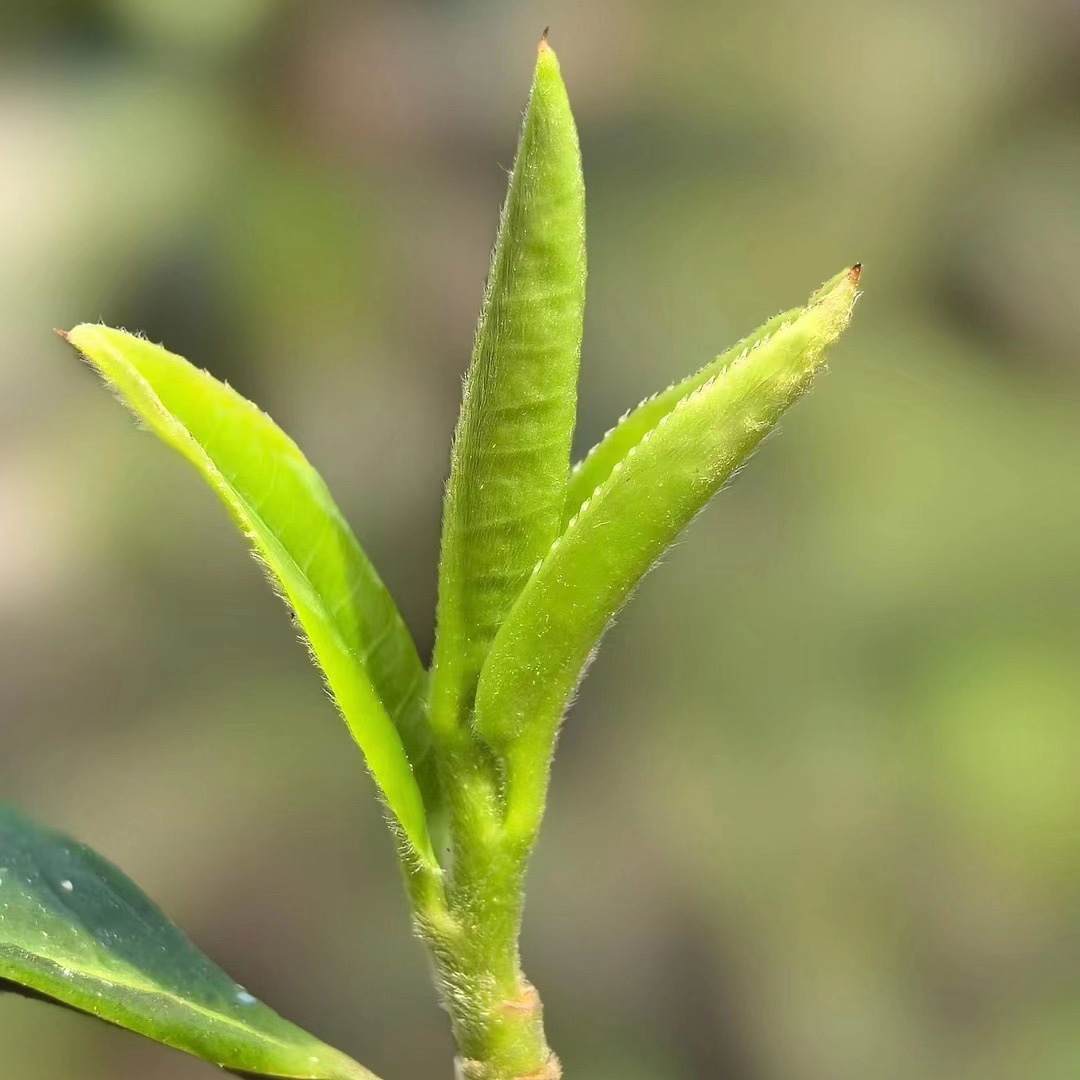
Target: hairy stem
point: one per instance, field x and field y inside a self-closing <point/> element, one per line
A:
<point x="470" y="919"/>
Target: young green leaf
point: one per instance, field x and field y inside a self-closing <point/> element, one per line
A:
<point x="76" y="931"/>
<point x="647" y="497"/>
<point x="512" y="447"/>
<point x="589" y="473"/>
<point x="593" y="469"/>
<point x="285" y="510"/>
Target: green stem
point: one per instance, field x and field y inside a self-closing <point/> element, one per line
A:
<point x="470" y="918"/>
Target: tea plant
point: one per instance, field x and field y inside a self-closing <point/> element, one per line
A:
<point x="537" y="557"/>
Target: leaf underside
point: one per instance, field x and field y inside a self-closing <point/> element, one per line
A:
<point x="676" y="454"/>
<point x="312" y="556"/>
<point x="76" y="931"/>
<point x="589" y="473"/>
<point x="511" y="452"/>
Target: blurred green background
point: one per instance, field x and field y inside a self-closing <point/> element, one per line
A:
<point x="816" y="811"/>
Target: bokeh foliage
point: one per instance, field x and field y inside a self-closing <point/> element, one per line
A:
<point x="819" y="814"/>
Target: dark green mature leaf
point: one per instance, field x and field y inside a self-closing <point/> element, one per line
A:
<point x="512" y="448"/>
<point x="75" y="930"/>
<point x="648" y="496"/>
<point x="287" y="513"/>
